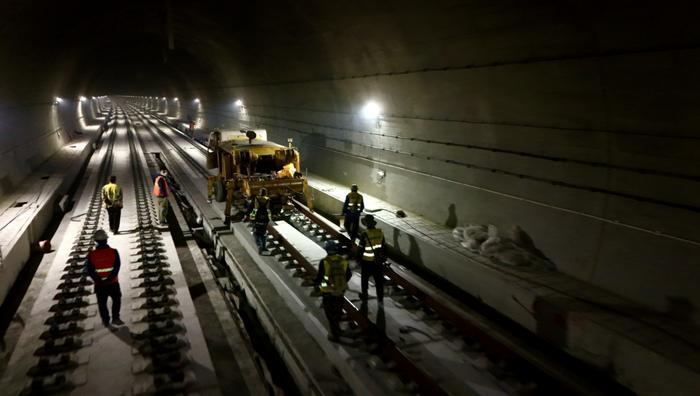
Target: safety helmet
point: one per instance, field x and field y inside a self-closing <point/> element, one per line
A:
<point x="99" y="235"/>
<point x="354" y="188"/>
<point x="331" y="247"/>
<point x="263" y="191"/>
<point x="369" y="221"/>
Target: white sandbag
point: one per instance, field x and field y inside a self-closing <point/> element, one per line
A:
<point x="476" y="232"/>
<point x="491" y="246"/>
<point x="458" y="234"/>
<point x="472" y="244"/>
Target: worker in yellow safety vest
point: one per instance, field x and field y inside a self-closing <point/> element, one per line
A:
<point x="260" y="214"/>
<point x="372" y="257"/>
<point x="112" y="198"/>
<point x="352" y="210"/>
<point x="332" y="280"/>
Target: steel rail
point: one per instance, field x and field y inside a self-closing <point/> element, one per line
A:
<point x="496" y="345"/>
<point x="426" y="383"/>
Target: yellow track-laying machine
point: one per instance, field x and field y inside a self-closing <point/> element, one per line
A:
<point x="247" y="162"/>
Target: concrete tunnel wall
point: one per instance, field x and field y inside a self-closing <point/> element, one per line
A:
<point x="542" y="118"/>
<point x="32" y="133"/>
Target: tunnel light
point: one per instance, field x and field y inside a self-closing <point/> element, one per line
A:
<point x="164" y="98"/>
<point x="238" y="103"/>
<point x="58" y="100"/>
<point x="175" y="99"/>
<point x="196" y="100"/>
<point x="83" y="98"/>
<point x="371" y="110"/>
<point x="94" y="97"/>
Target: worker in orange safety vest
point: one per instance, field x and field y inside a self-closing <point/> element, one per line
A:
<point x="160" y="191"/>
<point x="103" y="265"/>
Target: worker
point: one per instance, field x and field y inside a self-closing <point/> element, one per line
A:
<point x="332" y="280"/>
<point x="372" y="257"/>
<point x="160" y="191"/>
<point x="102" y="265"/>
<point x="260" y="214"/>
<point x="214" y="140"/>
<point x="352" y="209"/>
<point x="112" y="198"/>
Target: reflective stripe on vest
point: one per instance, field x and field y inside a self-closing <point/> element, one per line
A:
<point x="354" y="200"/>
<point x="334" y="281"/>
<point x="103" y="261"/>
<point x="156" y="187"/>
<point x="373" y="242"/>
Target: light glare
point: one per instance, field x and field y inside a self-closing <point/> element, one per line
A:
<point x="371" y="110"/>
<point x="238" y="103"/>
<point x="196" y="100"/>
<point x="58" y="100"/>
<point x="83" y="98"/>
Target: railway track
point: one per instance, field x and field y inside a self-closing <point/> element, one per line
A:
<point x="61" y="357"/>
<point x="158" y="333"/>
<point x="152" y="353"/>
<point x="521" y="369"/>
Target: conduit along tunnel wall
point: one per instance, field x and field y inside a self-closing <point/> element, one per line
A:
<point x="533" y="171"/>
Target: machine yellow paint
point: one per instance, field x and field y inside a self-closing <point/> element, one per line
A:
<point x="247" y="162"/>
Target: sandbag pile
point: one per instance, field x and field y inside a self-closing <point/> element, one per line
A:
<point x="514" y="248"/>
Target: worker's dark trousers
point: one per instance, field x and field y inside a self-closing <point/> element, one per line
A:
<point x="115" y="215"/>
<point x="260" y="233"/>
<point x="352" y="226"/>
<point x="370" y="268"/>
<point x="110" y="290"/>
<point x="333" y="307"/>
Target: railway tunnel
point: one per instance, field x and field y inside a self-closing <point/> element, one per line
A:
<point x="532" y="167"/>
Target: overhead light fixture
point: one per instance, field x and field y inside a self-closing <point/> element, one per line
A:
<point x="371" y="110"/>
<point x="176" y="99"/>
<point x="196" y="100"/>
<point x="83" y="98"/>
<point x="59" y="100"/>
<point x="238" y="103"/>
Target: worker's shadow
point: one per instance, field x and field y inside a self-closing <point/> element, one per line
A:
<point x="381" y="319"/>
<point x="124" y="335"/>
<point x="451" y="221"/>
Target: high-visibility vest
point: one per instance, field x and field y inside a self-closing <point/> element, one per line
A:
<point x="334" y="281"/>
<point x="103" y="261"/>
<point x="113" y="193"/>
<point x="373" y="239"/>
<point x="261" y="202"/>
<point x="156" y="187"/>
<point x="354" y="202"/>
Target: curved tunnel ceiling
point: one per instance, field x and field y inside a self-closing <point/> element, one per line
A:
<point x="170" y="47"/>
<point x="157" y="47"/>
<point x="140" y="47"/>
